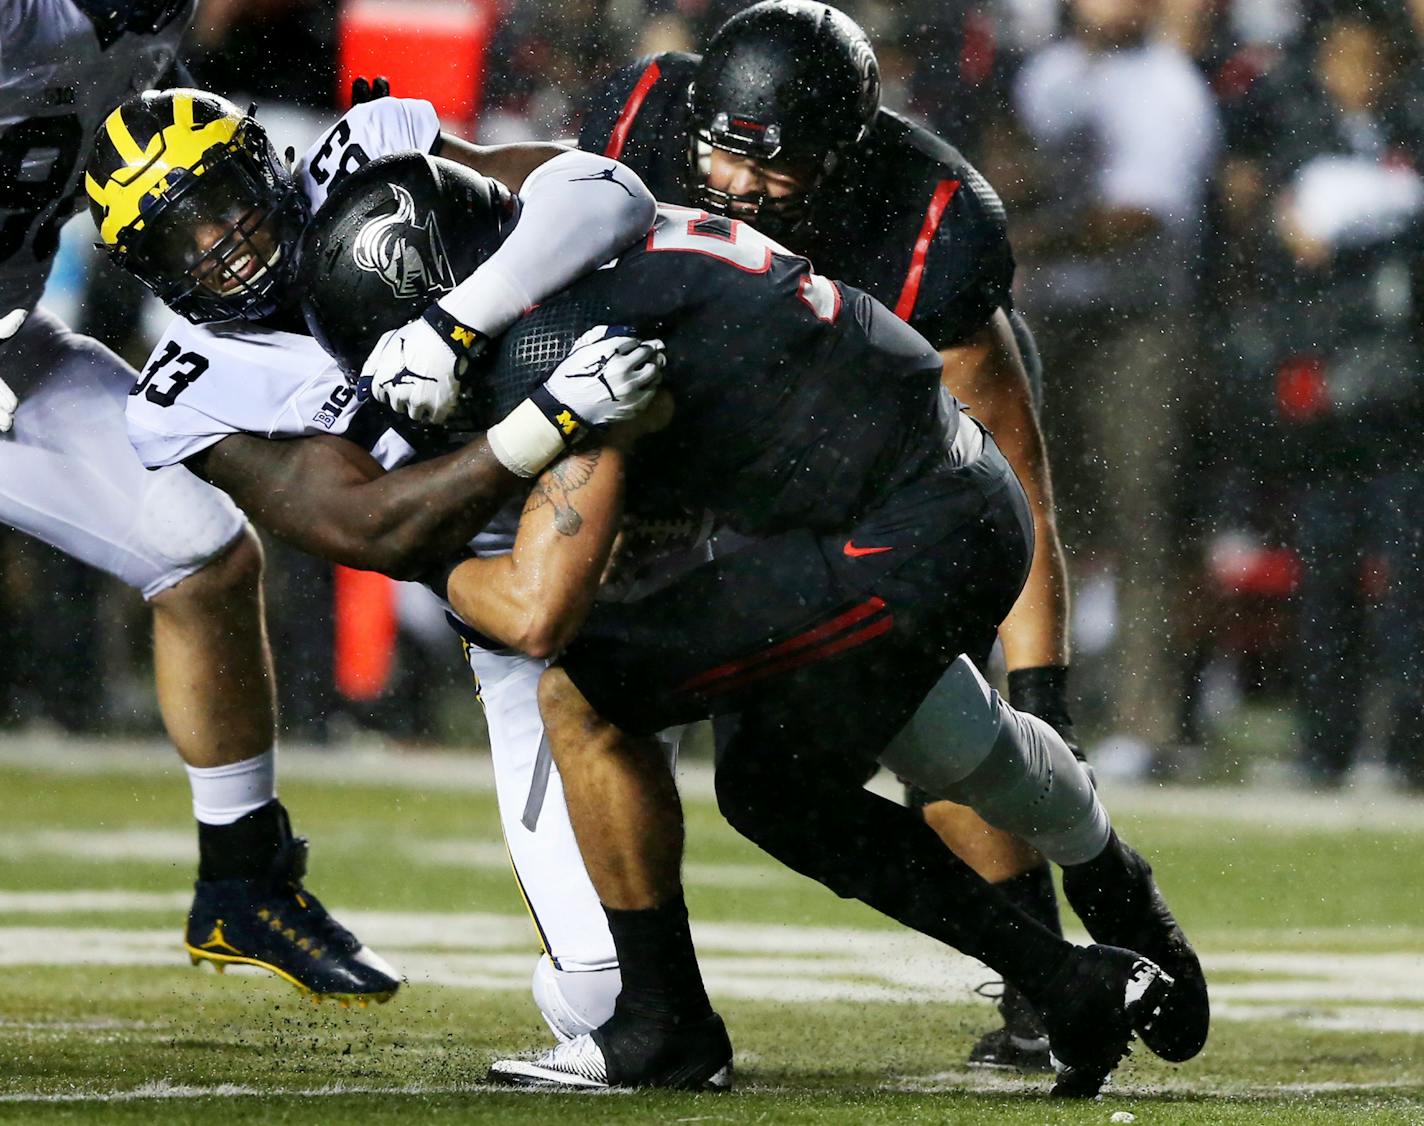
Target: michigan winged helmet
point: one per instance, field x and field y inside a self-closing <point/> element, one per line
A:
<point x="189" y="196"/>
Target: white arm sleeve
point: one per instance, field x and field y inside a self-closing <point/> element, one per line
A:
<point x="577" y="211"/>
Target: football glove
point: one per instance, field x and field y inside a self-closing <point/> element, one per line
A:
<point x="363" y="91"/>
<point x="608" y="376"/>
<point x="416" y="369"/>
<point x="9" y="402"/>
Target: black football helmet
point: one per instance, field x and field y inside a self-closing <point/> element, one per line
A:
<point x="784" y="80"/>
<point x="392" y="237"/>
<point x="189" y="196"/>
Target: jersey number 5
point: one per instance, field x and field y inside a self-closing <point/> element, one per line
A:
<point x="732" y="241"/>
<point x="189" y="366"/>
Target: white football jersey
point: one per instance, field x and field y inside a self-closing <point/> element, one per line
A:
<point x="56" y="86"/>
<point x="205" y="382"/>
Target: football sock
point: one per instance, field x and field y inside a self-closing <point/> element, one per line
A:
<point x="222" y="794"/>
<point x="661" y="979"/>
<point x="245" y="849"/>
<point x="1032" y="893"/>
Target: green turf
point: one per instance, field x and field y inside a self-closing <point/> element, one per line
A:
<point x="168" y="1039"/>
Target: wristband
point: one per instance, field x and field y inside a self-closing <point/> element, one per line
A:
<point x="534" y="433"/>
<point x="467" y="343"/>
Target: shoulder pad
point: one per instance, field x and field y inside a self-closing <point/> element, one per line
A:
<point x="966" y="268"/>
<point x="652" y="82"/>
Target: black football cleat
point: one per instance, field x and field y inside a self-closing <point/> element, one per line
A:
<point x="276" y="924"/>
<point x="1117" y="899"/>
<point x="1097" y="1001"/>
<point x="1019" y="1044"/>
<point x="630" y="1052"/>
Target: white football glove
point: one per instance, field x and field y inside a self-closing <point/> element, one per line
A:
<point x="9" y="402"/>
<point x="607" y="377"/>
<point x="416" y="369"/>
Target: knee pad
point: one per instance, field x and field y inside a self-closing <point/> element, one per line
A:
<point x="950" y="735"/>
<point x="967" y="745"/>
<point x="574" y="1001"/>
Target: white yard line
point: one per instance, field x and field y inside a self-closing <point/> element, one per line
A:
<point x="175" y="846"/>
<point x="784" y="963"/>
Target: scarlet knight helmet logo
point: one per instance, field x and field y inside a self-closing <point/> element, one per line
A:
<point x="408" y="256"/>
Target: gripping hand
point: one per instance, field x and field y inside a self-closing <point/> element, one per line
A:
<point x="416" y="369"/>
<point x="609" y="376"/>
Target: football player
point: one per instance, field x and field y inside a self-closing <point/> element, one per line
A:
<point x="188" y="195"/>
<point x="68" y="476"/>
<point x="889" y="535"/>
<point x="779" y="124"/>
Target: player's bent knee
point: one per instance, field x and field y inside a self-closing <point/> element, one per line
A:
<point x="574" y="1002"/>
<point x="575" y="728"/>
<point x="1031" y="785"/>
<point x="744" y="799"/>
<point x="950" y="736"/>
<point x="233" y="572"/>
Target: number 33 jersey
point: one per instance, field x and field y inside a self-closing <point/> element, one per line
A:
<point x="57" y="83"/>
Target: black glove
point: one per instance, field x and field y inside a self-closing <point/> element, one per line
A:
<point x="363" y="91"/>
<point x="1043" y="692"/>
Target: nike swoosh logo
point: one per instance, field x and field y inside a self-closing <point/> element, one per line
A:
<point x="856" y="552"/>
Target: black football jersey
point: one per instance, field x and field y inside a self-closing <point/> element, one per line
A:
<point x="906" y="217"/>
<point x="799" y="401"/>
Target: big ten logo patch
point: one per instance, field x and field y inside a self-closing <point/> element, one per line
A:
<point x="335" y="403"/>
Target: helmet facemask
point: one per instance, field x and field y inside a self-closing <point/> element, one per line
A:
<point x="780" y="217"/>
<point x="219" y="244"/>
<point x="790" y="84"/>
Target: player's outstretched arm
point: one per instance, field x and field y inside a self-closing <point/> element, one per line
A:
<point x="536" y="597"/>
<point x="329" y="497"/>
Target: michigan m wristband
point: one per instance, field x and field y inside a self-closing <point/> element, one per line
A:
<point x="534" y="433"/>
<point x="467" y="343"/>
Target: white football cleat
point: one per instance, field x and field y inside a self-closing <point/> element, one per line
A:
<point x="692" y="1056"/>
<point x="576" y="1063"/>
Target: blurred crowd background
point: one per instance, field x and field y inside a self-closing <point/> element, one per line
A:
<point x="1216" y="208"/>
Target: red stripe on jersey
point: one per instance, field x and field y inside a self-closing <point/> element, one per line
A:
<point x="619" y="137"/>
<point x="791" y="645"/>
<point x="910" y="291"/>
<point x="810" y="656"/>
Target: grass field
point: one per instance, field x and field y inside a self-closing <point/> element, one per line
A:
<point x="1309" y="911"/>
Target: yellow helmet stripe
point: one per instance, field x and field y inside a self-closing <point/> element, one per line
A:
<point x="118" y="131"/>
<point x="181" y="147"/>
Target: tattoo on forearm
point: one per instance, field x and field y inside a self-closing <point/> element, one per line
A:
<point x="557" y="486"/>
